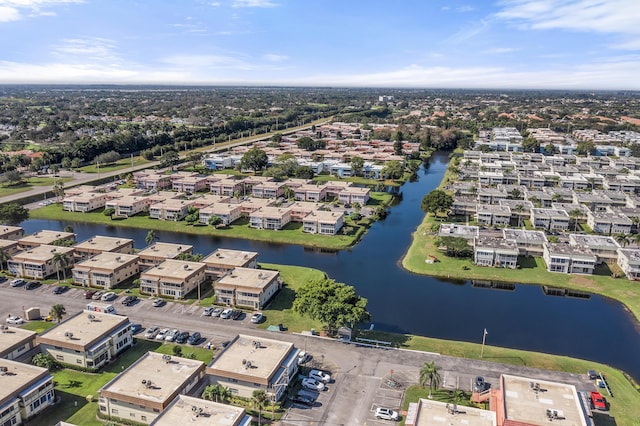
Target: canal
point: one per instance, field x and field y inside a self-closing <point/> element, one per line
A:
<point x="521" y="316"/>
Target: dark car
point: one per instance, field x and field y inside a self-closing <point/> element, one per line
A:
<point x="136" y="328"/>
<point x="129" y="300"/>
<point x="89" y="294"/>
<point x="194" y="339"/>
<point x="60" y="289"/>
<point x="479" y="385"/>
<point x="182" y="337"/>
<point x="303" y="399"/>
<point x="3" y="279"/>
<point x="31" y="285"/>
<point x="236" y="314"/>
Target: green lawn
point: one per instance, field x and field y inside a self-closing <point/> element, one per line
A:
<point x="29" y="184"/>
<point x="38" y="326"/>
<point x="119" y="165"/>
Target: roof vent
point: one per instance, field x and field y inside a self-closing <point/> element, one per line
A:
<point x="166" y="358"/>
<point x="91" y="317"/>
<point x="147" y="383"/>
<point x="68" y="335"/>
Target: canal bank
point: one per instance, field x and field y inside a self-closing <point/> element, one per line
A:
<point x="403" y="302"/>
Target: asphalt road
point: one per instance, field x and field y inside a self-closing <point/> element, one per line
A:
<point x="360" y="374"/>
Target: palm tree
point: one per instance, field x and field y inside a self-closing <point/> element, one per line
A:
<point x="211" y="392"/>
<point x="259" y="399"/>
<point x="430" y="373"/>
<point x="575" y="214"/>
<point x="225" y="393"/>
<point x="622" y="239"/>
<point x="519" y="208"/>
<point x="4" y="258"/>
<point x="61" y="261"/>
<point x="151" y="237"/>
<point x="57" y="312"/>
<point x="515" y="194"/>
<point x="635" y="238"/>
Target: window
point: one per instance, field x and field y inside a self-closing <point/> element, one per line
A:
<point x="114" y="411"/>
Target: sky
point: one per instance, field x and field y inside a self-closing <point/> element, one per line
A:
<point x="510" y="44"/>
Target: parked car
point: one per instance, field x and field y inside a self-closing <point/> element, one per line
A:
<point x="136" y="328"/>
<point x="162" y="334"/>
<point x="158" y="302"/>
<point x="208" y="311"/>
<point x="236" y="314"/>
<point x="216" y="312"/>
<point x="304" y="357"/>
<point x="257" y="318"/>
<point x="171" y="335"/>
<point x="592" y="374"/>
<point x="98" y="295"/>
<point x="226" y="314"/>
<point x="31" y="285"/>
<point x="194" y="339"/>
<point x="2" y="278"/>
<point x="151" y="332"/>
<point x="12" y="319"/>
<point x="383" y="413"/>
<point x="598" y="402"/>
<point x="320" y="376"/>
<point x="129" y="300"/>
<point x="88" y="294"/>
<point x="182" y="337"/>
<point x="303" y="399"/>
<point x="60" y="289"/>
<point x="312" y="384"/>
<point x="108" y="296"/>
<point x="17" y="282"/>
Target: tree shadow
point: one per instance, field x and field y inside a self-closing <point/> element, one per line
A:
<point x="527" y="262"/>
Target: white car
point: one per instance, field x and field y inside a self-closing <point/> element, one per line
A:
<point x="151" y="332"/>
<point x="162" y="334"/>
<point x="312" y="384"/>
<point x="11" y="319"/>
<point x="171" y="336"/>
<point x="108" y="296"/>
<point x="320" y="376"/>
<point x="226" y="314"/>
<point x="303" y="357"/>
<point x="17" y="282"/>
<point x="386" y="414"/>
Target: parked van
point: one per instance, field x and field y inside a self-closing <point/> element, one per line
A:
<point x="101" y="307"/>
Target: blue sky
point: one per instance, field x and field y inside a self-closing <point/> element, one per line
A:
<point x="556" y="44"/>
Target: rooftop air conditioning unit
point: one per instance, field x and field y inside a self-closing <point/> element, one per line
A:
<point x="68" y="335"/>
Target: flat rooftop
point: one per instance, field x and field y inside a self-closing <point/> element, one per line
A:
<point x="84" y="331"/>
<point x="102" y="243"/>
<point x="525" y="405"/>
<point x="264" y="360"/>
<point x="45" y="237"/>
<point x="174" y="269"/>
<point x="41" y="253"/>
<point x="567" y="249"/>
<point x="540" y="213"/>
<point x="196" y="411"/>
<point x="230" y="257"/>
<point x="6" y="229"/>
<point x="18" y="376"/>
<point x="496" y="243"/>
<point x="524" y="234"/>
<point x="248" y="277"/>
<point x="440" y="413"/>
<point x="167" y="376"/>
<point x="11" y="336"/>
<point x="600" y="241"/>
<point x="455" y="230"/>
<point x="165" y="250"/>
<point x="107" y="261"/>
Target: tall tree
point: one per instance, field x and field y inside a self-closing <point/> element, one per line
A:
<point x="254" y="159"/>
<point x="151" y="237"/>
<point x="435" y="202"/>
<point x="334" y="304"/>
<point x="61" y="261"/>
<point x="13" y="214"/>
<point x="259" y="399"/>
<point x="4" y="258"/>
<point x="357" y="163"/>
<point x="430" y="372"/>
<point x="57" y="312"/>
<point x="392" y="170"/>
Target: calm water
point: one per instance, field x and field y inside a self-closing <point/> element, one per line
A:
<point x="596" y="328"/>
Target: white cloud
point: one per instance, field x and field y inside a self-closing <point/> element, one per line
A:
<point x="253" y="3"/>
<point x="82" y="49"/>
<point x="208" y="62"/>
<point x="471" y="31"/>
<point x="500" y="50"/>
<point x="465" y="9"/>
<point x="274" y="58"/>
<point x="13" y="10"/>
<point x="215" y="4"/>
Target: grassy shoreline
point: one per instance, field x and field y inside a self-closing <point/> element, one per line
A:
<point x="291" y="234"/>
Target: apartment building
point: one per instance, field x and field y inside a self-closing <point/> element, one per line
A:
<point x="247" y="287"/>
<point x="201" y="412"/>
<point x="15" y="342"/>
<point x="222" y="261"/>
<point x="323" y="223"/>
<point x="37" y="262"/>
<point x="100" y="244"/>
<point x="44" y="237"/>
<point x="158" y="252"/>
<point x="629" y="261"/>
<point x="569" y="259"/>
<point x="228" y="213"/>
<point x="27" y="390"/>
<point x="13" y="233"/>
<point x="105" y="270"/>
<point x="173" y="278"/>
<point x="495" y="252"/>
<point x="273" y="218"/>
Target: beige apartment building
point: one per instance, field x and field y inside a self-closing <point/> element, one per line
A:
<point x="323" y="223"/>
<point x="99" y="244"/>
<point x="26" y="391"/>
<point x="173" y="278"/>
<point x="247" y="287"/>
<point x="227" y="212"/>
<point x="145" y="389"/>
<point x="222" y="261"/>
<point x="157" y="253"/>
<point x="87" y="339"/>
<point x="11" y="232"/>
<point x="9" y="246"/>
<point x="37" y="262"/>
<point x="105" y="270"/>
<point x="250" y="363"/>
<point x="44" y="237"/>
<point x="201" y="412"/>
<point x="84" y="202"/>
<point x="15" y="341"/>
